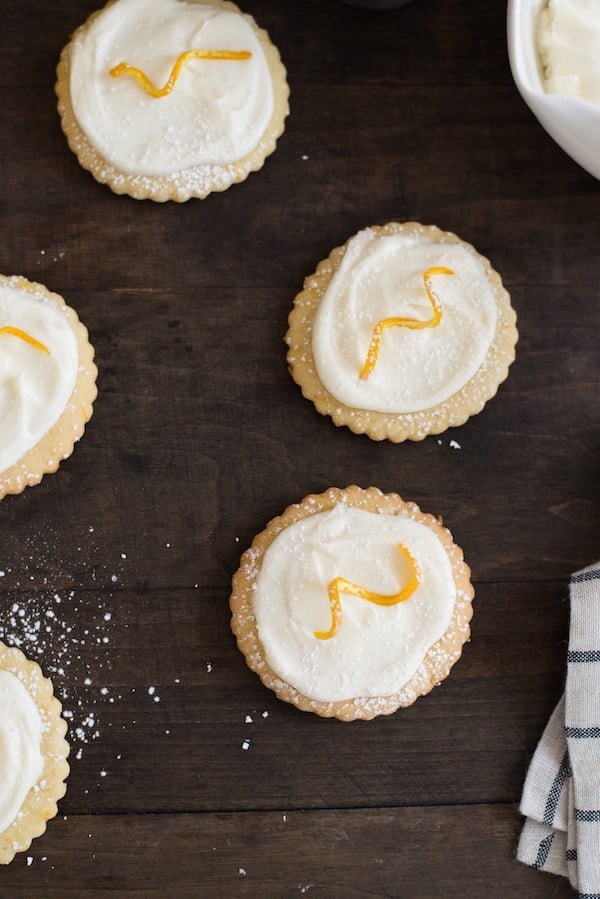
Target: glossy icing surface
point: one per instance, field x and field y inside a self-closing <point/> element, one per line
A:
<point x="21" y="762"/>
<point x="382" y="277"/>
<point x="377" y="648"/>
<point x="217" y="110"/>
<point x="37" y="375"/>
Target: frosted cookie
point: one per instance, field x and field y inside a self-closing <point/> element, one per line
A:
<point x="352" y="603"/>
<point x="403" y="332"/>
<point x="33" y="752"/>
<point x="47" y="382"/>
<point x="168" y="99"/>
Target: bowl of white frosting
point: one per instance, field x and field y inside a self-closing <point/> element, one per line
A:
<point x="554" y="52"/>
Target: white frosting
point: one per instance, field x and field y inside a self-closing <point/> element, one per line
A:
<point x="217" y="111"/>
<point x="21" y="761"/>
<point x="382" y="277"/>
<point x="569" y="47"/>
<point x="376" y="649"/>
<point x="34" y="387"/>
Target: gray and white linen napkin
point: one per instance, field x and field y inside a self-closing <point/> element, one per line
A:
<point x="561" y="797"/>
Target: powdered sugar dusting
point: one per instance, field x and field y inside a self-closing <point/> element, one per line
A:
<point x="196" y="181"/>
<point x="68" y="631"/>
<point x="438" y="660"/>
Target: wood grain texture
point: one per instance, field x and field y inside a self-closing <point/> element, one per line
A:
<point x="115" y="572"/>
<point x="178" y="644"/>
<point x="338" y="853"/>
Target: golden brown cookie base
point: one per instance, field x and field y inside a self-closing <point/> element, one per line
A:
<point x="396" y="427"/>
<point x="40" y="803"/>
<point x="198" y="181"/>
<point x="440" y="657"/>
<point x="57" y="444"/>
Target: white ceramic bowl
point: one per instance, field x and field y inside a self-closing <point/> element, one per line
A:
<point x="573" y="123"/>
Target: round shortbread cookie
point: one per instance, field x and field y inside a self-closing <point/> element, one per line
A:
<point x="352" y="603"/>
<point x="168" y="100"/>
<point x="404" y="331"/>
<point x="47" y="382"/>
<point x="33" y="752"/>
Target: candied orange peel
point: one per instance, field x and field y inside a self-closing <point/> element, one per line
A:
<point x="124" y="69"/>
<point x="413" y="324"/>
<point x="341" y="585"/>
<point x="23" y="335"/>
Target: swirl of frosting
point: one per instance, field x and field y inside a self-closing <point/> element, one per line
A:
<point x="376" y="649"/>
<point x="21" y="761"/>
<point x="38" y="369"/>
<point x="381" y="278"/>
<point x="217" y="111"/>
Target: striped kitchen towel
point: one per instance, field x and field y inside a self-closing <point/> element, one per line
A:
<point x="561" y="797"/>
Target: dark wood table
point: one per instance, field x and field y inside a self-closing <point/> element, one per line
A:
<point x="116" y="570"/>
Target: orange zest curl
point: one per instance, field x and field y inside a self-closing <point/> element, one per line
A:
<point x="123" y="69"/>
<point x="341" y="585"/>
<point x="23" y="335"/>
<point x="414" y="324"/>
